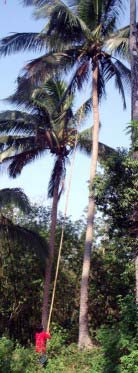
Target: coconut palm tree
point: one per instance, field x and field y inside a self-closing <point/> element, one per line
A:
<point x="134" y="114"/>
<point x="76" y="37"/>
<point x="28" y="135"/>
<point x="86" y="30"/>
<point x="134" y="60"/>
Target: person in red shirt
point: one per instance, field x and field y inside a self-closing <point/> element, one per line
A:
<point x="40" y="343"/>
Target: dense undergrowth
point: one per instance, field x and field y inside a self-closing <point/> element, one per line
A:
<point x="114" y="352"/>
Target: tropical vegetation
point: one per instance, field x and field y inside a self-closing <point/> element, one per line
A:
<point x="95" y="305"/>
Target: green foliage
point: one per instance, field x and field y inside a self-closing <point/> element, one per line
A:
<point x="110" y="288"/>
<point x="129" y="363"/>
<point x="20" y="290"/>
<point x="72" y="360"/>
<point x="59" y="338"/>
<point x="6" y="348"/>
<point x="24" y="360"/>
<point x="111" y="282"/>
<point x="116" y="192"/>
<point x="118" y="349"/>
<point x="117" y="354"/>
<point x="66" y="359"/>
<point x="132" y="130"/>
<point x="17" y="359"/>
<point x="16" y="197"/>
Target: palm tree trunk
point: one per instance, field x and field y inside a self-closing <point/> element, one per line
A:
<point x="84" y="338"/>
<point x="47" y="282"/>
<point x="134" y="107"/>
<point x="134" y="61"/>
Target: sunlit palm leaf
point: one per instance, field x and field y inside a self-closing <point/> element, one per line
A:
<point x="118" y="43"/>
<point x="22" y="41"/>
<point x="81" y="113"/>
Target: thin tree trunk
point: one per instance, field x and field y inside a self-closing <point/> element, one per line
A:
<point x="134" y="109"/>
<point x="84" y="338"/>
<point x="134" y="61"/>
<point x="45" y="307"/>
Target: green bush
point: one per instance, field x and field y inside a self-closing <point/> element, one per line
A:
<point x="24" y="360"/>
<point x="120" y="350"/>
<point x="17" y="359"/>
<point x="57" y="342"/>
<point x="73" y="361"/>
<point x="129" y="363"/>
<point x="117" y="354"/>
<point x="6" y="349"/>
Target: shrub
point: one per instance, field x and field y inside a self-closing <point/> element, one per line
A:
<point x="73" y="361"/>
<point x="6" y="349"/>
<point x="57" y="342"/>
<point x="129" y="363"/>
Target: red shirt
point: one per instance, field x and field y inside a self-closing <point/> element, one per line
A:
<point x="40" y="341"/>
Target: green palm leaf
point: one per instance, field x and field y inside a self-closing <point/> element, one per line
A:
<point x="17" y="122"/>
<point x="118" y="43"/>
<point x="85" y="145"/>
<point x="14" y="196"/>
<point x="58" y="169"/>
<point x="48" y="65"/>
<point x="18" y="161"/>
<point x="22" y="41"/>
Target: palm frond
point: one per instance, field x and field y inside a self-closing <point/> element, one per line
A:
<point x="79" y="77"/>
<point x="85" y="145"/>
<point x="118" y="43"/>
<point x="39" y="3"/>
<point x="14" y="196"/>
<point x="13" y="121"/>
<point x="112" y="10"/>
<point x="85" y="141"/>
<point x="22" y="41"/>
<point x="58" y="173"/>
<point x="125" y="73"/>
<point x="4" y="143"/>
<point x="101" y="81"/>
<point x="66" y="26"/>
<point x="89" y="13"/>
<point x="23" y="94"/>
<point x="105" y="151"/>
<point x="16" y="143"/>
<point x="7" y="154"/>
<point x="16" y="233"/>
<point x="50" y="64"/>
<point x="16" y="162"/>
<point x="82" y="112"/>
<point x="55" y="89"/>
<point x="120" y="73"/>
<point x="119" y="84"/>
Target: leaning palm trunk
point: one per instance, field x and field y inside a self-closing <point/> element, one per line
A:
<point x="84" y="338"/>
<point x="134" y="108"/>
<point x="45" y="307"/>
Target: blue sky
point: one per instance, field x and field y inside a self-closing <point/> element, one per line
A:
<point x="34" y="178"/>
